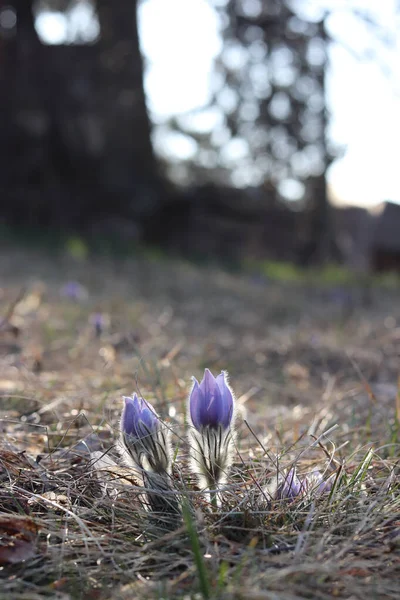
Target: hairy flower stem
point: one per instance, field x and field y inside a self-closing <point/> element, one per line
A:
<point x="162" y="499"/>
<point x="214" y="500"/>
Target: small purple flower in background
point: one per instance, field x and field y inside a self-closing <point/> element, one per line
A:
<point x="315" y="340"/>
<point x="341" y="296"/>
<point x="259" y="279"/>
<point x="316" y="484"/>
<point x="289" y="487"/>
<point x="74" y="291"/>
<point x="144" y="440"/>
<point x="99" y="322"/>
<point x="211" y="412"/>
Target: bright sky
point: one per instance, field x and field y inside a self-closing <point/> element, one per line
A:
<point x="180" y="39"/>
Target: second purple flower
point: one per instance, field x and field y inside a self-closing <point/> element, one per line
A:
<point x="211" y="402"/>
<point x="211" y="412"/>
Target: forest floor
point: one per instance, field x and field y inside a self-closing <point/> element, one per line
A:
<point x="315" y="371"/>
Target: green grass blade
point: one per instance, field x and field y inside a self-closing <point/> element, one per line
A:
<point x="198" y="557"/>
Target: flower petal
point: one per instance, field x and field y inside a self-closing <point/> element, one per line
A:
<point x="128" y="417"/>
<point x="149" y="419"/>
<point x="208" y="383"/>
<point x="290" y="487"/>
<point x="326" y="485"/>
<point x="195" y="402"/>
<point x="211" y="408"/>
<point x="138" y="417"/>
<point x="227" y="401"/>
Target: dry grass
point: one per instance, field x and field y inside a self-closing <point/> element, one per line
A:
<point x="301" y="360"/>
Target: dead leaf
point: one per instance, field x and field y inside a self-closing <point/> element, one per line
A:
<point x="107" y="470"/>
<point x="17" y="538"/>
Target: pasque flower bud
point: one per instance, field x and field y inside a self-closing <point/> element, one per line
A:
<point x="144" y="439"/>
<point x="145" y="446"/>
<point x="211" y="412"/>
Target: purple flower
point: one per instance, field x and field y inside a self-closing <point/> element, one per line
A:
<point x="290" y="486"/>
<point x="318" y="485"/>
<point x="74" y="291"/>
<point x="99" y="322"/>
<point x="211" y="409"/>
<point x="145" y="446"/>
<point x="138" y="417"/>
<point x="145" y="442"/>
<point x="211" y="402"/>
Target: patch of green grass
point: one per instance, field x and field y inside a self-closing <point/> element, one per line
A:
<point x="328" y="275"/>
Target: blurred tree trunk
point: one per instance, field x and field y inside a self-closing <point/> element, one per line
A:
<point x="16" y="46"/>
<point x="20" y="89"/>
<point x="130" y="161"/>
<point x="75" y="141"/>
